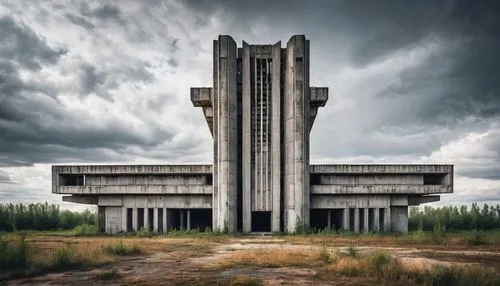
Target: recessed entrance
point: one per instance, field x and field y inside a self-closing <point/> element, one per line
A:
<point x="261" y="221"/>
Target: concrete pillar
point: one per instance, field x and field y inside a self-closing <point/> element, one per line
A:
<point x="181" y="213"/>
<point x="155" y="219"/>
<point x="376" y="219"/>
<point x="345" y="220"/>
<point x="247" y="174"/>
<point x="225" y="135"/>
<point x="134" y="219"/>
<point x="329" y="223"/>
<point x="276" y="138"/>
<point x="387" y="219"/>
<point x="124" y="219"/>
<point x="356" y="220"/>
<point x="146" y="218"/>
<point x="188" y="215"/>
<point x="296" y="141"/>
<point x="165" y="230"/>
<point x="399" y="219"/>
<point x="367" y="220"/>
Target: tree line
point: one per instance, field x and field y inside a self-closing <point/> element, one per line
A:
<point x="455" y="218"/>
<point x="41" y="216"/>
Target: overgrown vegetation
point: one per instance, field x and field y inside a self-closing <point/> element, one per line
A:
<point x="15" y="217"/>
<point x="13" y="254"/>
<point x="452" y="218"/>
<point x="121" y="249"/>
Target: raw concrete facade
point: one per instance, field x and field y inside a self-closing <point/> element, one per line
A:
<point x="260" y="113"/>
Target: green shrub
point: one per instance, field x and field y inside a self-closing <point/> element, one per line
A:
<point x="13" y="254"/>
<point x="64" y="259"/>
<point x="324" y="256"/>
<point x="352" y="251"/>
<point x="378" y="259"/>
<point x="121" y="249"/>
<point x="85" y="230"/>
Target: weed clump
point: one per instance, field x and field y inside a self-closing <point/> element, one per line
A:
<point x="325" y="256"/>
<point x="245" y="281"/>
<point x="120" y="249"/>
<point x="13" y="254"/>
<point x="64" y="259"/>
<point x="378" y="259"/>
<point x="352" y="251"/>
<point x="85" y="230"/>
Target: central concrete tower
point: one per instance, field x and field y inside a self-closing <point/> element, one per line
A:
<point x="260" y="112"/>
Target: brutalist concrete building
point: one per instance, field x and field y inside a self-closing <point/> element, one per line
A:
<point x="260" y="111"/>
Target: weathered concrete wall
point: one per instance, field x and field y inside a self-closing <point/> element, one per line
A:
<point x="157" y="201"/>
<point x="349" y="201"/>
<point x="399" y="219"/>
<point x="132" y="169"/>
<point x="113" y="219"/>
<point x="114" y="180"/>
<point x="135" y="189"/>
<point x="380" y="189"/>
<point x="296" y="141"/>
<point x="401" y="179"/>
<point x="380" y="169"/>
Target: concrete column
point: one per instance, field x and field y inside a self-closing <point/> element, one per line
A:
<point x="134" y="219"/>
<point x="345" y="220"/>
<point x="247" y="174"/>
<point x="146" y="218"/>
<point x="376" y="219"/>
<point x="181" y="213"/>
<point x="329" y="219"/>
<point x="124" y="219"/>
<point x="296" y="141"/>
<point x="225" y="135"/>
<point x="367" y="220"/>
<point x="155" y="219"/>
<point x="356" y="220"/>
<point x="387" y="219"/>
<point x="276" y="137"/>
<point x="399" y="219"/>
<point x="188" y="216"/>
<point x="165" y="230"/>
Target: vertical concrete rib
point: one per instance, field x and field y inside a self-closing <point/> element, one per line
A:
<point x="356" y="220"/>
<point x="246" y="140"/>
<point x="134" y="219"/>
<point x="276" y="137"/>
<point x="387" y="219"/>
<point x="146" y="218"/>
<point x="188" y="218"/>
<point x="345" y="219"/>
<point x="124" y="220"/>
<point x="366" y="223"/>
<point x="165" y="225"/>
<point x="155" y="219"/>
<point x="376" y="219"/>
<point x="296" y="101"/>
<point x="225" y="197"/>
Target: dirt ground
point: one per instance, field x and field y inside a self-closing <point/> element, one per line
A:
<point x="191" y="261"/>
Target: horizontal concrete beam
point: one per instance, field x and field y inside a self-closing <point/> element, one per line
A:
<point x="417" y="200"/>
<point x="201" y="96"/>
<point x="137" y="189"/>
<point x="349" y="201"/>
<point x="318" y="96"/>
<point x="132" y="169"/>
<point x="381" y="189"/>
<point x="381" y="169"/>
<point x="168" y="201"/>
<point x="88" y="200"/>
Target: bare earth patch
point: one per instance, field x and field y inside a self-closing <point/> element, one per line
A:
<point x="222" y="261"/>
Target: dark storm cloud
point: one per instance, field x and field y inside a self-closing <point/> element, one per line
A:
<point x="21" y="45"/>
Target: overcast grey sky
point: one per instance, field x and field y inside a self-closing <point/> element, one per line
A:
<point x="108" y="81"/>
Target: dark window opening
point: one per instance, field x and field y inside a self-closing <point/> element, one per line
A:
<point x="209" y="180"/>
<point x="201" y="219"/>
<point x="315" y="179"/>
<point x="150" y="219"/>
<point x="319" y="219"/>
<point x="71" y="180"/>
<point x="381" y="219"/>
<point x="101" y="219"/>
<point x="361" y="219"/>
<point x="261" y="221"/>
<point x="140" y="218"/>
<point x="129" y="220"/>
<point x="371" y="219"/>
<point x="351" y="219"/>
<point x="160" y="220"/>
<point x="337" y="216"/>
<point x="433" y="179"/>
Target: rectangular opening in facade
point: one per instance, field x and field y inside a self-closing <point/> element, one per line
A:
<point x="362" y="219"/>
<point x="71" y="180"/>
<point x="371" y="219"/>
<point x="381" y="219"/>
<point x="201" y="219"/>
<point x="261" y="221"/>
<point x="315" y="179"/>
<point x="101" y="218"/>
<point x="173" y="219"/>
<point x="140" y="218"/>
<point x="337" y="218"/>
<point x="129" y="220"/>
<point x="433" y="179"/>
<point x="209" y="179"/>
<point x="160" y="220"/>
<point x="351" y="219"/>
<point x="150" y="218"/>
<point x="319" y="219"/>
